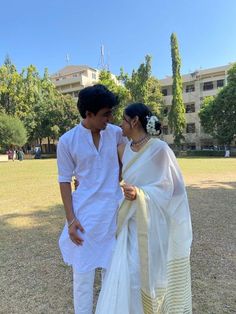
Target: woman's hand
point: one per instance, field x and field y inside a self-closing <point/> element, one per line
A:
<point x="130" y="191"/>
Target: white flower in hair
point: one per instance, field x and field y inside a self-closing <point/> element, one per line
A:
<point x="151" y="125"/>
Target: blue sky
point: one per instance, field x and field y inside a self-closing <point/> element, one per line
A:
<point x="42" y="33"/>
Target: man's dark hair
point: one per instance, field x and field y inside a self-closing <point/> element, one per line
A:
<point x="95" y="98"/>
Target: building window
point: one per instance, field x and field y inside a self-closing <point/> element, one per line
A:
<point x="190" y="108"/>
<point x="75" y="75"/>
<point x="164" y="92"/>
<point x="165" y="112"/>
<point x="94" y="76"/>
<point x="165" y="130"/>
<point x="190" y="128"/>
<point x="208" y="85"/>
<point x="220" y="83"/>
<point x="190" y="88"/>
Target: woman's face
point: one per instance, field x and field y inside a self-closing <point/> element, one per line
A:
<point x="126" y="125"/>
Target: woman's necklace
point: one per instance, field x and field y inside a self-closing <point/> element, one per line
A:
<point x="140" y="141"/>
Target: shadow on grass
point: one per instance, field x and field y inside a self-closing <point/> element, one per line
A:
<point x="214" y="184"/>
<point x="34" y="278"/>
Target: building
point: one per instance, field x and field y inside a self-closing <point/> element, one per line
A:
<point x="72" y="78"/>
<point x="196" y="86"/>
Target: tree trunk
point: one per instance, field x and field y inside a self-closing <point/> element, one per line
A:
<point x="40" y="143"/>
<point x="49" y="147"/>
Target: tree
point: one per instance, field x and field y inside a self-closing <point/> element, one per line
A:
<point x="137" y="83"/>
<point x="10" y="82"/>
<point x="55" y="113"/>
<point x="205" y="114"/>
<point x="119" y="90"/>
<point x="29" y="97"/>
<point x="43" y="109"/>
<point x="176" y="117"/>
<point x="218" y="115"/>
<point x="143" y="87"/>
<point x="153" y="96"/>
<point x="12" y="131"/>
<point x="35" y="101"/>
<point x="66" y="114"/>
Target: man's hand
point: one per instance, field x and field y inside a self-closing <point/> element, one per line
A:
<point x="130" y="191"/>
<point x="74" y="234"/>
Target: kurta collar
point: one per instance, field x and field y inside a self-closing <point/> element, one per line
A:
<point x="88" y="134"/>
<point x="84" y="129"/>
<point x="88" y="131"/>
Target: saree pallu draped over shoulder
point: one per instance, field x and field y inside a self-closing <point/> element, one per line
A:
<point x="164" y="235"/>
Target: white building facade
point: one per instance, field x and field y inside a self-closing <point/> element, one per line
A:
<point x="72" y="78"/>
<point x="196" y="86"/>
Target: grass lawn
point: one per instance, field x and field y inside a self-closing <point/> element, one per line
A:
<point x="33" y="278"/>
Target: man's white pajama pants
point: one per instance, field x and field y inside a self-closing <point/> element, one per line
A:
<point x="83" y="291"/>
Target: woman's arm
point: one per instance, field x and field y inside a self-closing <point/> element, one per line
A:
<point x="120" y="150"/>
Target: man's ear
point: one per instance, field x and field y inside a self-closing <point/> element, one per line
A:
<point x="89" y="114"/>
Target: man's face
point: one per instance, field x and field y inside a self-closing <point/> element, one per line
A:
<point x="100" y="120"/>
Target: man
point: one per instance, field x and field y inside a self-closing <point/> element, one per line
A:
<point x="89" y="152"/>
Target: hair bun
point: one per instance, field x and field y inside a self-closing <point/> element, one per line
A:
<point x="153" y="125"/>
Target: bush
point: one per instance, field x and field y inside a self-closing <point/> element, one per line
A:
<point x="206" y="153"/>
<point x="12" y="131"/>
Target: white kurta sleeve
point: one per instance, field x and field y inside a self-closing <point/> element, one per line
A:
<point x="65" y="163"/>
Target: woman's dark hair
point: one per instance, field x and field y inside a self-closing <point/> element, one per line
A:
<point x="142" y="111"/>
<point x="95" y="98"/>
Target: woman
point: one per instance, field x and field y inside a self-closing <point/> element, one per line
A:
<point x="150" y="268"/>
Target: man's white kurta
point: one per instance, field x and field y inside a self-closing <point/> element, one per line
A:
<point x="95" y="202"/>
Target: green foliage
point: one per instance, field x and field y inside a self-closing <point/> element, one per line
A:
<point x="10" y="83"/>
<point x="232" y="75"/>
<point x="176" y="115"/>
<point x="36" y="102"/>
<point x="66" y="113"/>
<point x="143" y="87"/>
<point x="46" y="113"/>
<point x="153" y="96"/>
<point x="137" y="83"/>
<point x="12" y="131"/>
<point x="206" y="117"/>
<point x="119" y="90"/>
<point x="218" y="115"/>
<point x="26" y="108"/>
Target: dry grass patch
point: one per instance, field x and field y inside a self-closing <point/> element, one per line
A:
<point x="33" y="276"/>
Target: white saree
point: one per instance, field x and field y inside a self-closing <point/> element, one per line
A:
<point x="150" y="268"/>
